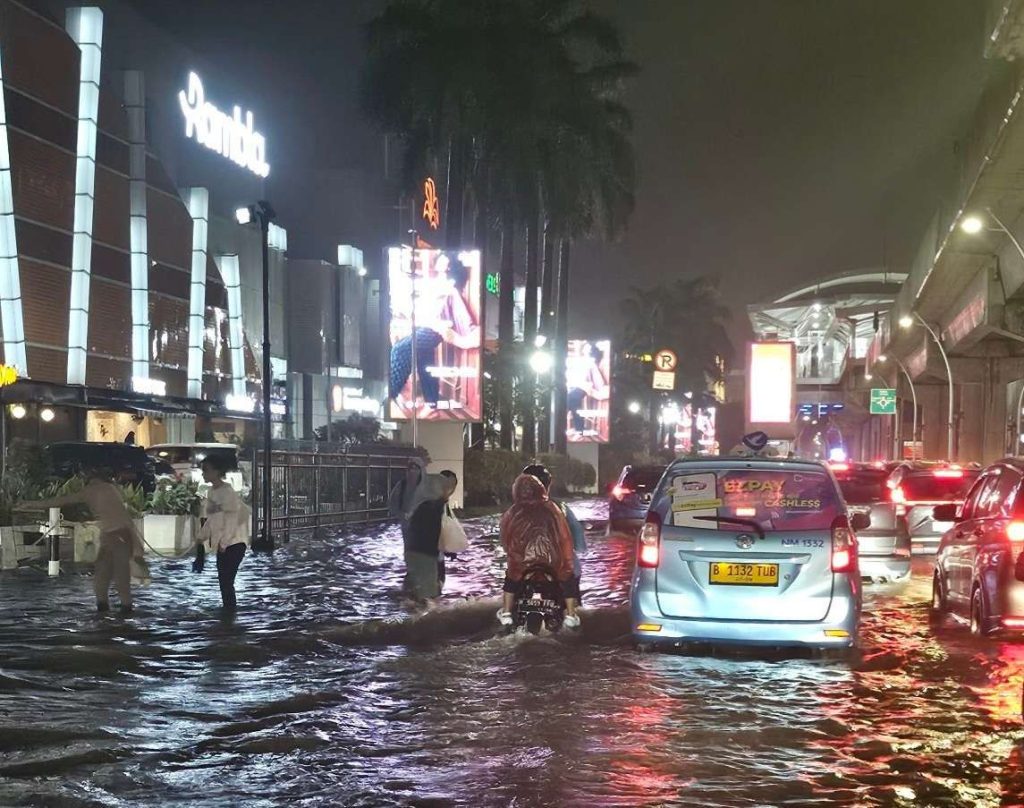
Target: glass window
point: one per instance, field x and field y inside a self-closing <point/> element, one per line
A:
<point x="864" y="488"/>
<point x="644" y="478"/>
<point x="969" y="508"/>
<point x="930" y="486"/>
<point x="987" y="503"/>
<point x="1009" y="483"/>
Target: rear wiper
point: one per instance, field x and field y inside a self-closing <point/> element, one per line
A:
<point x="732" y="520"/>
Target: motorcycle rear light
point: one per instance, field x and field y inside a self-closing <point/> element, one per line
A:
<point x="650" y="543"/>
<point x="1015" y="531"/>
<point x="620" y="492"/>
<point x="1013" y="622"/>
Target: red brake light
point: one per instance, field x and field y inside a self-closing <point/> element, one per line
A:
<point x="948" y="473"/>
<point x="1015" y="531"/>
<point x="839" y="466"/>
<point x="844" y="547"/>
<point x="620" y="491"/>
<point x="897" y="495"/>
<point x="650" y="542"/>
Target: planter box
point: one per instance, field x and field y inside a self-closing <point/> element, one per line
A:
<point x="169" y="534"/>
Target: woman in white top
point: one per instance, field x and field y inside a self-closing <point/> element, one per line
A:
<point x="226" y="529"/>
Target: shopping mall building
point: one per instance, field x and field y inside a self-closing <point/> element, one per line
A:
<point x="131" y="297"/>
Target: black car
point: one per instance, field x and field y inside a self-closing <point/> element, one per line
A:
<point x="630" y="496"/>
<point x="130" y="464"/>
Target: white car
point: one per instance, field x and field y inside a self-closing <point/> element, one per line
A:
<point x="186" y="458"/>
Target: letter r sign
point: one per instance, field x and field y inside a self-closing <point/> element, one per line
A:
<point x="665" y="360"/>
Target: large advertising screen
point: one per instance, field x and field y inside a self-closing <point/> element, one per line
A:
<point x="446" y="346"/>
<point x="771" y="388"/>
<point x="588" y="390"/>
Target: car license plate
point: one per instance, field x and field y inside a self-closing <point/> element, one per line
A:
<point x="742" y="574"/>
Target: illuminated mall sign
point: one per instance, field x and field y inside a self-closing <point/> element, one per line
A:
<point x="228" y="135"/>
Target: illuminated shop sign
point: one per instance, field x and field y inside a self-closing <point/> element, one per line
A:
<point x="588" y="390"/>
<point x="771" y="387"/>
<point x="232" y="136"/>
<point x="431" y="204"/>
<point x="8" y="375"/>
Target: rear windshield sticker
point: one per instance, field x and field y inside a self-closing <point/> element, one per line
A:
<point x="694" y="495"/>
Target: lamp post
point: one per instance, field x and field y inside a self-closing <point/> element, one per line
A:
<point x="906" y="321"/>
<point x="972" y="225"/>
<point x="913" y="395"/>
<point x="261" y="214"/>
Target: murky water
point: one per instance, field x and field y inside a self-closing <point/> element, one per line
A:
<point x="326" y="691"/>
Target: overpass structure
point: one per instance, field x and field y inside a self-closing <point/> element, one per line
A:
<point x="966" y="283"/>
<point x="832" y="323"/>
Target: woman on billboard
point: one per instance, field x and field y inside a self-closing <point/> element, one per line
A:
<point x="444" y="315"/>
<point x="585" y="378"/>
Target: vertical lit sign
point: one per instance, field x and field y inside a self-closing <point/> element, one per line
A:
<point x="431" y="204"/>
<point x="771" y="387"/>
<point x="587" y="390"/>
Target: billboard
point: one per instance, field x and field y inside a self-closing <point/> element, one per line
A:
<point x="588" y="390"/>
<point x="771" y="388"/>
<point x="678" y="437"/>
<point x="446" y="346"/>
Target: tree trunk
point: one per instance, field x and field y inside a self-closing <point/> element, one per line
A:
<point x="454" y="203"/>
<point x="561" y="350"/>
<point x="547" y="293"/>
<point x="482" y="239"/>
<point x="506" y="329"/>
<point x="529" y="336"/>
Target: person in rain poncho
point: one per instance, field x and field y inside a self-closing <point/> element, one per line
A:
<point x="403" y="495"/>
<point x="422" y="537"/>
<point x="534" y="532"/>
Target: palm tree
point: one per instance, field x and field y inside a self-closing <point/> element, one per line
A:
<point x="516" y="99"/>
<point x="688" y="317"/>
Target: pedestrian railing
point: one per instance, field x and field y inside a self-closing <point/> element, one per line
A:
<point x="322" y="489"/>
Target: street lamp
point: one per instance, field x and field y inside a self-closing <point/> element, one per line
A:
<point x="913" y="395"/>
<point x="972" y="225"/>
<point x="541" y="362"/>
<point x="634" y="407"/>
<point x="262" y="214"/>
<point x="906" y="321"/>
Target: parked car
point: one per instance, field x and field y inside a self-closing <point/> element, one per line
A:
<point x="977" y="557"/>
<point x="129" y="464"/>
<point x="883" y="550"/>
<point x="917" y="487"/>
<point x="186" y="458"/>
<point x="629" y="497"/>
<point x="752" y="551"/>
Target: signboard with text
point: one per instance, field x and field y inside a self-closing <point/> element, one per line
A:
<point x="883" y="401"/>
<point x="771" y="388"/>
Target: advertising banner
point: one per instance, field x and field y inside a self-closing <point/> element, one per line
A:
<point x="446" y="346"/>
<point x="771" y="388"/>
<point x="588" y="390"/>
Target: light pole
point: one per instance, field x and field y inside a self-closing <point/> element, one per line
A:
<point x="972" y="225"/>
<point x="906" y="321"/>
<point x="262" y="214"/>
<point x="913" y="395"/>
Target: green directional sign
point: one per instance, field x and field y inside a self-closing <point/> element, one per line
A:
<point x="883" y="401"/>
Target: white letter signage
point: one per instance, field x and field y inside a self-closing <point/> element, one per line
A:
<point x="225" y="134"/>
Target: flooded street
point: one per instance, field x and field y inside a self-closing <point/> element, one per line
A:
<point x="326" y="691"/>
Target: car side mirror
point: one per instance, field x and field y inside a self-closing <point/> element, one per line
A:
<point x="945" y="513"/>
<point x="860" y="521"/>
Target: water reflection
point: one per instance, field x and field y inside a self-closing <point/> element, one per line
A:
<point x="327" y="690"/>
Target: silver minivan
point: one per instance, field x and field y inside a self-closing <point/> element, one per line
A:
<point x="747" y="550"/>
<point x="976" y="565"/>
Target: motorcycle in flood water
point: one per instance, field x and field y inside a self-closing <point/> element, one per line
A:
<point x="541" y="604"/>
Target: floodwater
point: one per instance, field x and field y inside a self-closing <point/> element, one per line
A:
<point x="326" y="690"/>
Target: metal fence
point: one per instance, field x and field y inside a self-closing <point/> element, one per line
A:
<point x="311" y="490"/>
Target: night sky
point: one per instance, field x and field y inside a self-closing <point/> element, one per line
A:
<point x="777" y="140"/>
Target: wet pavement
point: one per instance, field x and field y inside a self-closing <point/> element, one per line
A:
<point x="325" y="690"/>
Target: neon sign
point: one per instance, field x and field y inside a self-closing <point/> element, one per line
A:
<point x="493" y="282"/>
<point x="8" y="375"/>
<point x="431" y="204"/>
<point x="228" y="135"/>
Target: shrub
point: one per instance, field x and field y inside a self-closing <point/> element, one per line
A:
<point x="175" y="498"/>
<point x="489" y="474"/>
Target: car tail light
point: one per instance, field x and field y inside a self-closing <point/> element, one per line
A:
<point x="620" y="492"/>
<point x="844" y="546"/>
<point x="897" y="495"/>
<point x="1015" y="531"/>
<point x="1013" y="622"/>
<point x="839" y="466"/>
<point x="650" y="542"/>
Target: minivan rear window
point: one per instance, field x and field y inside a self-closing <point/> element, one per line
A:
<point x="776" y="500"/>
<point x="644" y="478"/>
<point x="864" y="487"/>
<point x="930" y="487"/>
